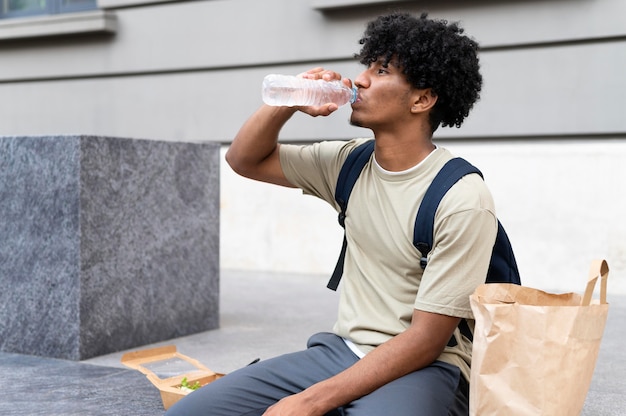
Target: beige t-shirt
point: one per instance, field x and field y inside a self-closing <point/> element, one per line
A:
<point x="382" y="281"/>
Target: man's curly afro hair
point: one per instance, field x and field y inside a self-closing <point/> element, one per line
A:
<point x="432" y="54"/>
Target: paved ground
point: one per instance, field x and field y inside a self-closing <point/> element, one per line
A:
<point x="262" y="315"/>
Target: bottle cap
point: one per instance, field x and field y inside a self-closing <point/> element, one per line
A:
<point x="353" y="96"/>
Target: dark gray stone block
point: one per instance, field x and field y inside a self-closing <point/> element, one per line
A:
<point x="106" y="243"/>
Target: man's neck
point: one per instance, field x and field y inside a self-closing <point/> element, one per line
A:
<point x="397" y="154"/>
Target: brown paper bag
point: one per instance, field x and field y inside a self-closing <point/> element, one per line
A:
<point x="534" y="352"/>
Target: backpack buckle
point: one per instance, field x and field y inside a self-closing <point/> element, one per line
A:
<point x="342" y="219"/>
<point x="424" y="250"/>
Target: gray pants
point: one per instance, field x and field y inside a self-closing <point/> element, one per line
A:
<point x="435" y="390"/>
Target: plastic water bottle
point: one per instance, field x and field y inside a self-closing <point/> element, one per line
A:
<point x="287" y="90"/>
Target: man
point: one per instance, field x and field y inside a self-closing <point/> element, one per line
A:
<point x="391" y="351"/>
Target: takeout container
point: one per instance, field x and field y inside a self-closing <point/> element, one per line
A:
<point x="165" y="367"/>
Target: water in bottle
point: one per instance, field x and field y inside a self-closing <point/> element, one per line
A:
<point x="284" y="90"/>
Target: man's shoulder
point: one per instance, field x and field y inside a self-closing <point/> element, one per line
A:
<point x="469" y="192"/>
<point x="336" y="148"/>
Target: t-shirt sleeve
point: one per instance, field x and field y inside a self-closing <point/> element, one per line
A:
<point x="314" y="168"/>
<point x="464" y="236"/>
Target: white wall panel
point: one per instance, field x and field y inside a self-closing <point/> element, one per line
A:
<point x="562" y="205"/>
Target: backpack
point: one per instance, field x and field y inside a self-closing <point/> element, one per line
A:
<point x="502" y="266"/>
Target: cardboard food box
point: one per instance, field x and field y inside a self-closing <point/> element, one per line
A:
<point x="166" y="369"/>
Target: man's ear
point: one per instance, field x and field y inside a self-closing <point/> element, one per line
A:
<point x="423" y="100"/>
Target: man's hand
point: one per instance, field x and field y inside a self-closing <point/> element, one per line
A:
<point x="254" y="151"/>
<point x="326" y="75"/>
<point x="296" y="405"/>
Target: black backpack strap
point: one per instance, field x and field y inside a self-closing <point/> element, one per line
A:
<point x="350" y="171"/>
<point x="502" y="265"/>
<point x="449" y="174"/>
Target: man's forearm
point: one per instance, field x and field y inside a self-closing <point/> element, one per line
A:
<point x="257" y="141"/>
<point x="394" y="359"/>
<point x="409" y="351"/>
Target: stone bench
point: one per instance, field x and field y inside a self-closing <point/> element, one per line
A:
<point x="106" y="243"/>
<point x="49" y="386"/>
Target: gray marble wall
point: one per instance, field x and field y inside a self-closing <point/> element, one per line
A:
<point x="106" y="243"/>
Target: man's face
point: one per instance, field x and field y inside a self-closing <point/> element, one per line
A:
<point x="384" y="96"/>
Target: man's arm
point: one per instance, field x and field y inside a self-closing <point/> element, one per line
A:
<point x="415" y="348"/>
<point x="254" y="150"/>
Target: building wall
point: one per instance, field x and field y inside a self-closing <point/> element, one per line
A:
<point x="549" y="132"/>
